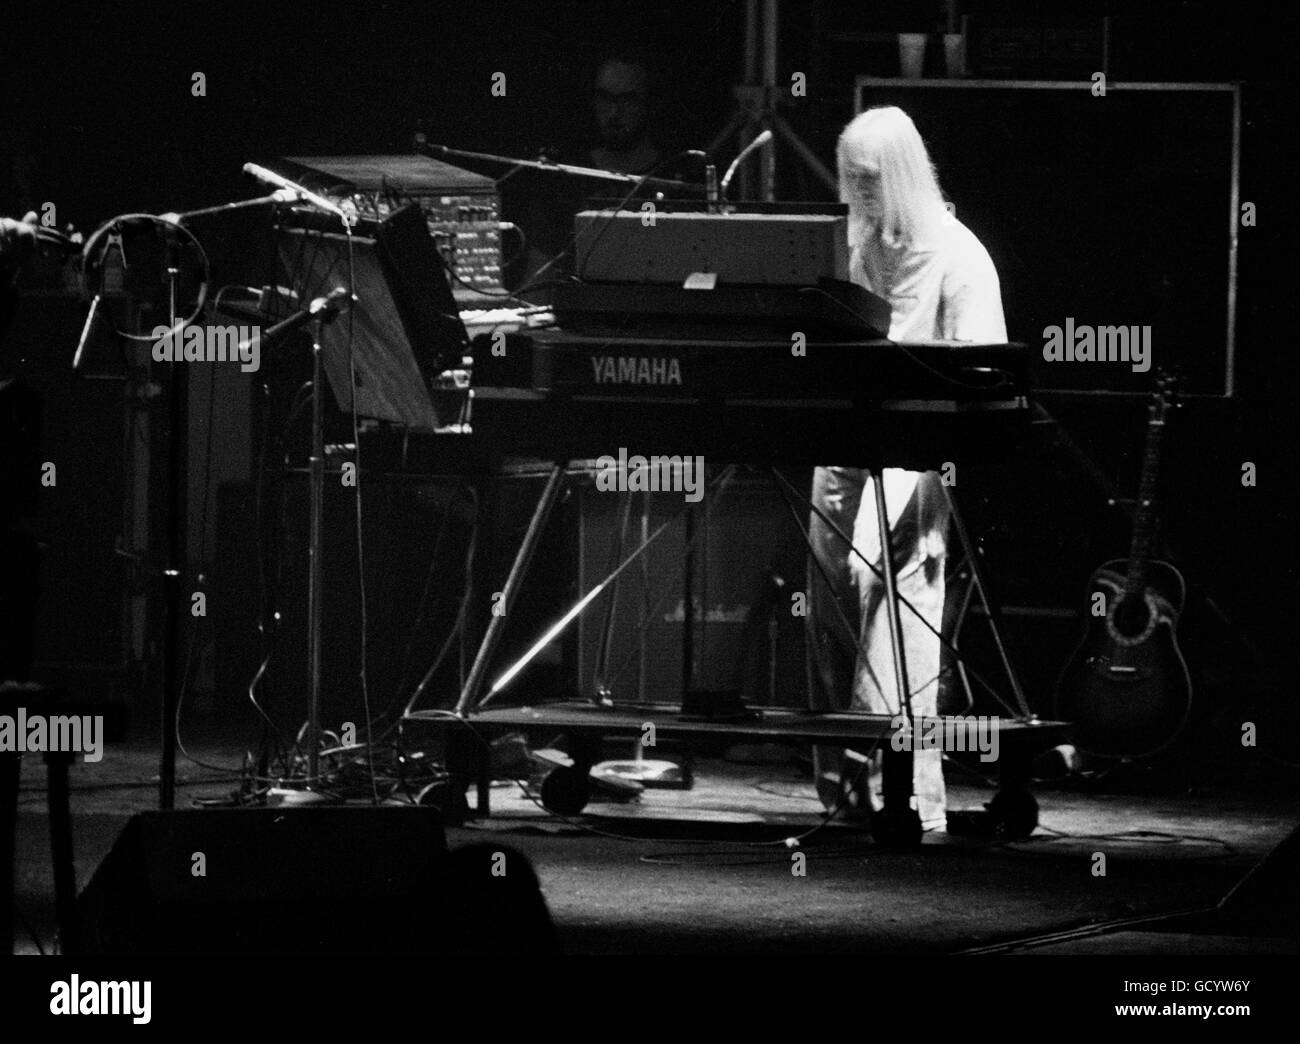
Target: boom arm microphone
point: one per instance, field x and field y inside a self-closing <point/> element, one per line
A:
<point x="270" y="177"/>
<point x="324" y="308"/>
<point x="757" y="143"/>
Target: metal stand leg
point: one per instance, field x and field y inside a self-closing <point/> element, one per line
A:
<point x="65" y="872"/>
<point x="899" y="823"/>
<point x="518" y="569"/>
<point x="173" y="577"/>
<point x="601" y="682"/>
<point x="10" y="770"/>
<point x="177" y="553"/>
<point x="959" y="622"/>
<point x="991" y="608"/>
<point x="315" y="551"/>
<point x="757" y="99"/>
<point x="688" y="608"/>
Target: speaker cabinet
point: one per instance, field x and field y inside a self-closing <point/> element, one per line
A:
<point x="750" y="559"/>
<point x="1264" y="902"/>
<point x="309" y="881"/>
<point x="69" y="456"/>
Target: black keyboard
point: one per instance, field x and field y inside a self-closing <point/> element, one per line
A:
<point x="872" y="403"/>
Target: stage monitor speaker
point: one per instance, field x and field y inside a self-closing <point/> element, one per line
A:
<point x="1265" y="902"/>
<point x="336" y="881"/>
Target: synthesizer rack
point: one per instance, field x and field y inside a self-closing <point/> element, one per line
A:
<point x="463" y="209"/>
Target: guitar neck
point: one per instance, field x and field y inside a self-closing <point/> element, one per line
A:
<point x="1144" y="518"/>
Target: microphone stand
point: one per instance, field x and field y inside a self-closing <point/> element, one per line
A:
<point x="562" y="168"/>
<point x="757" y="102"/>
<point x="318" y="313"/>
<point x="177" y="506"/>
<point x="315" y="573"/>
<point x="276" y="198"/>
<point x="176" y="511"/>
<point x="174" y="566"/>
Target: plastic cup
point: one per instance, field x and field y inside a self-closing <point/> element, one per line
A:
<point x="911" y="54"/>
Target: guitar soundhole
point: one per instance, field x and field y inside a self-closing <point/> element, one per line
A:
<point x="1131" y="617"/>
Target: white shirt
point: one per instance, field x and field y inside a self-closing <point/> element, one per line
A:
<point x="945" y="290"/>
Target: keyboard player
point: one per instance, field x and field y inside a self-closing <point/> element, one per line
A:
<point x="941" y="284"/>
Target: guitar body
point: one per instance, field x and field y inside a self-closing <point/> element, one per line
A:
<point x="1126" y="687"/>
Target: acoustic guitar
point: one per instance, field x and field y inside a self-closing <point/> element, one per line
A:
<point x="1126" y="688"/>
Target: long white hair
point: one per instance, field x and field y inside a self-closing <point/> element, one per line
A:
<point x="904" y="206"/>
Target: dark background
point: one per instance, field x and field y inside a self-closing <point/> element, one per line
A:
<point x="100" y="118"/>
<point x="98" y="112"/>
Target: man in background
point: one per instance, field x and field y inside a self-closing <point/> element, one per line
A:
<point x="620" y="138"/>
<point x="622" y="102"/>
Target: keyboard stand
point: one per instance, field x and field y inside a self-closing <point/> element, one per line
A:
<point x="586" y="722"/>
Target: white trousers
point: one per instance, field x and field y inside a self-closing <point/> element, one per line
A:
<point x="851" y="665"/>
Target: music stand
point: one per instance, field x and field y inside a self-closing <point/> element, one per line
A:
<point x="405" y="327"/>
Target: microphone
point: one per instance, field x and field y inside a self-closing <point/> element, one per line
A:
<point x="323" y="307"/>
<point x="328" y="303"/>
<point x="268" y="293"/>
<point x="270" y="177"/>
<point x="92" y="321"/>
<point x="757" y="143"/>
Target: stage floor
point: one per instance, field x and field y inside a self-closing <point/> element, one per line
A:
<point x="705" y="869"/>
